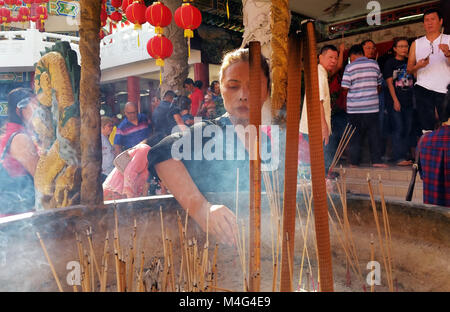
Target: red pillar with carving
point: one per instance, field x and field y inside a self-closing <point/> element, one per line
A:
<point x="134" y="91"/>
<point x="201" y="72"/>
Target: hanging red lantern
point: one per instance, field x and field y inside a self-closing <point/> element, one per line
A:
<point x="24" y="14"/>
<point x="5" y="14"/>
<point x="34" y="18"/>
<point x="136" y="14"/>
<point x="159" y="16"/>
<point x="19" y="3"/>
<point x="125" y="4"/>
<point x="2" y="3"/>
<point x="159" y="48"/>
<point x="188" y="17"/>
<point x="116" y="16"/>
<point x="41" y="12"/>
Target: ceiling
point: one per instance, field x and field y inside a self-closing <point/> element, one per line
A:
<point x="331" y="11"/>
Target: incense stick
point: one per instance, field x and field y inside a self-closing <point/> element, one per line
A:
<point x="58" y="283"/>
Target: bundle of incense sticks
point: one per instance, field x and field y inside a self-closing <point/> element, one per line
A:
<point x="346" y="137"/>
<point x="197" y="272"/>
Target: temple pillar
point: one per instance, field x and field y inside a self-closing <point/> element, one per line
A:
<point x="201" y="72"/>
<point x="134" y="91"/>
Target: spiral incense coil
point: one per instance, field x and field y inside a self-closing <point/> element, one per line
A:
<point x="255" y="106"/>
<point x="290" y="181"/>
<point x="317" y="161"/>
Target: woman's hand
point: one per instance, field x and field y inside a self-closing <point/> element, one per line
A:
<point x="397" y="105"/>
<point x="221" y="223"/>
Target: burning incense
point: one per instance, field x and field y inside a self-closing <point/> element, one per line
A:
<point x="50" y="262"/>
<point x="387" y="232"/>
<point x="377" y="223"/>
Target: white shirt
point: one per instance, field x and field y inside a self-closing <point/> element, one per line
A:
<point x="107" y="156"/>
<point x="436" y="75"/>
<point x="324" y="95"/>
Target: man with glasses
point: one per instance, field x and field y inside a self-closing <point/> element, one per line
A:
<point x="429" y="60"/>
<point x="132" y="130"/>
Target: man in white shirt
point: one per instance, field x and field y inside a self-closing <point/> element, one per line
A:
<point x="328" y="60"/>
<point x="429" y="59"/>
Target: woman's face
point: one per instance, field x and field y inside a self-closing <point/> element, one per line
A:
<point x="402" y="48"/>
<point x="235" y="90"/>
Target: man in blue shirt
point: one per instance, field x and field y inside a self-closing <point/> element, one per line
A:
<point x="132" y="130"/>
<point x="159" y="116"/>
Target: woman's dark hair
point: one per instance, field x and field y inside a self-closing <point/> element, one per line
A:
<point x="14" y="97"/>
<point x="198" y="84"/>
<point x="212" y="85"/>
<point x="397" y="40"/>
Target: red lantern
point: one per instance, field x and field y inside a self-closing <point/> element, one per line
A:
<point x="160" y="48"/>
<point x="5" y="14"/>
<point x="18" y="3"/>
<point x="34" y="18"/>
<point x="136" y="14"/>
<point x="2" y="3"/>
<point x="116" y="16"/>
<point x="125" y="4"/>
<point x="24" y="14"/>
<point x="41" y="12"/>
<point x="116" y="3"/>
<point x="159" y="16"/>
<point x="189" y="18"/>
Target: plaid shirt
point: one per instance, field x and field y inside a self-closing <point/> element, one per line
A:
<point x="435" y="167"/>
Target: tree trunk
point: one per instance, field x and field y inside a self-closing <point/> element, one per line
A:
<point x="91" y="149"/>
<point x="176" y="68"/>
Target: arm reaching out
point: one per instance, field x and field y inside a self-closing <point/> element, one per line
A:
<point x="222" y="221"/>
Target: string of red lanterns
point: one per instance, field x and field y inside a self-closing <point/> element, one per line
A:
<point x="24" y="12"/>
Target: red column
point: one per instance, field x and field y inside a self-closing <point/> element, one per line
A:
<point x="134" y="91"/>
<point x="201" y="72"/>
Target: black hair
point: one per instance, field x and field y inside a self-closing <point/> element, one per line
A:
<point x="366" y="41"/>
<point x="188" y="81"/>
<point x="328" y="47"/>
<point x="170" y="93"/>
<point x="398" y="39"/>
<point x="211" y="86"/>
<point x="356" y="49"/>
<point x="14" y="97"/>
<point x="198" y="84"/>
<point x="431" y="11"/>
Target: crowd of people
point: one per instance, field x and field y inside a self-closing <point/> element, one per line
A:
<point x="392" y="98"/>
<point x="395" y="98"/>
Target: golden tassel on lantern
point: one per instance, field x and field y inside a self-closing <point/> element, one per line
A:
<point x="160" y="63"/>
<point x="188" y="33"/>
<point x="228" y="11"/>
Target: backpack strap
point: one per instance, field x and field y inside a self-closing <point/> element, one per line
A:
<point x="8" y="144"/>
